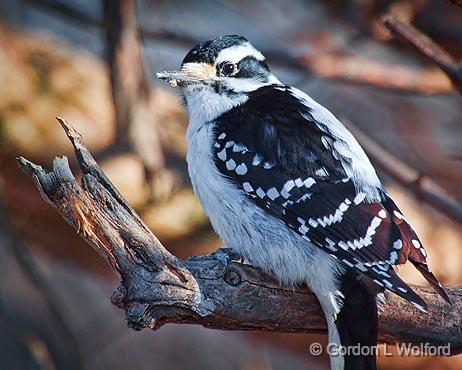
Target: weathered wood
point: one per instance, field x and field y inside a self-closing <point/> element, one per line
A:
<point x="157" y="288"/>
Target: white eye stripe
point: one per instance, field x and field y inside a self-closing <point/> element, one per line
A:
<point x="234" y="54"/>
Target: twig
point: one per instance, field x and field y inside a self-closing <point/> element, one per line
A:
<point x="157" y="288"/>
<point x="428" y="48"/>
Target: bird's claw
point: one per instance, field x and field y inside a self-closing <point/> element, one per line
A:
<point x="225" y="256"/>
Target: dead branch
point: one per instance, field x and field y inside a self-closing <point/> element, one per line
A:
<point x="428" y="48"/>
<point x="157" y="288"/>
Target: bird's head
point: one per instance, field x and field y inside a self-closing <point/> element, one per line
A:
<point x="218" y="74"/>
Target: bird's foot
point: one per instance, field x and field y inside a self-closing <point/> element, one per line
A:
<point x="224" y="256"/>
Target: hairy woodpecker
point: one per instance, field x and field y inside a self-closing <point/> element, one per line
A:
<point x="288" y="188"/>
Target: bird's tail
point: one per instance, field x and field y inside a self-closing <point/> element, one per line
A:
<point x="413" y="251"/>
<point x="357" y="324"/>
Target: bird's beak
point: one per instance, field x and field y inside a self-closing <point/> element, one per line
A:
<point x="189" y="74"/>
<point x="176" y="78"/>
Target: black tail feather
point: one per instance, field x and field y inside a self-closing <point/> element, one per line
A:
<point x="404" y="291"/>
<point x="432" y="280"/>
<point x="357" y="323"/>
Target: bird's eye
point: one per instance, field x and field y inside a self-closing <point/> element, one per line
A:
<point x="228" y="68"/>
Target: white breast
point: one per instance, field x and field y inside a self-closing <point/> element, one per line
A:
<point x="263" y="240"/>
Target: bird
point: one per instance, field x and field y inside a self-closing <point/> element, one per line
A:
<point x="289" y="189"/>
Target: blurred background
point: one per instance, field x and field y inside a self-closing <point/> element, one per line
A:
<point x="93" y="62"/>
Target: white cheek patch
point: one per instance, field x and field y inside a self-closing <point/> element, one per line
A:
<point x="243" y="85"/>
<point x="234" y="54"/>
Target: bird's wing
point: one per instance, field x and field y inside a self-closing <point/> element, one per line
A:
<point x="285" y="162"/>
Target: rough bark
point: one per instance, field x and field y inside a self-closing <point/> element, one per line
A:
<point x="157" y="288"/>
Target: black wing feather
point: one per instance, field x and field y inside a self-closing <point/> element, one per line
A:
<point x="272" y="148"/>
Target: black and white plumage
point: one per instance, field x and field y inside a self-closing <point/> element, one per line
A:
<point x="287" y="186"/>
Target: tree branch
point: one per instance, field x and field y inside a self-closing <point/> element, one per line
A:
<point x="137" y="124"/>
<point x="157" y="288"/>
<point x="427" y="47"/>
